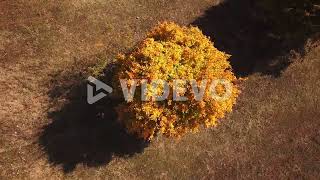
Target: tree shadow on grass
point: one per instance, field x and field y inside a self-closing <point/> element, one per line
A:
<point x="85" y="134"/>
<point x="242" y="30"/>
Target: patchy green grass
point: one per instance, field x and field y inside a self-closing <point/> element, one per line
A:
<point x="46" y="48"/>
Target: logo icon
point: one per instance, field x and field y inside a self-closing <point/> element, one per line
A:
<point x="96" y="87"/>
<point x="159" y="90"/>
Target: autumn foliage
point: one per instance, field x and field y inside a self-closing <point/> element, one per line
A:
<point x="173" y="52"/>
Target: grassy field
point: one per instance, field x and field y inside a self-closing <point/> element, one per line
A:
<point x="47" y="131"/>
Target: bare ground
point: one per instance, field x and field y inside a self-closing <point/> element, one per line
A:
<point x="46" y="131"/>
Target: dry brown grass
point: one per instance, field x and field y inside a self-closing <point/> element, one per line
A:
<point x="45" y="49"/>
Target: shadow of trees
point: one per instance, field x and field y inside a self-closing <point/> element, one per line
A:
<point x="256" y="44"/>
<point x="85" y="134"/>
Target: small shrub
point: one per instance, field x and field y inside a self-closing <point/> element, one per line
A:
<point x="173" y="52"/>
